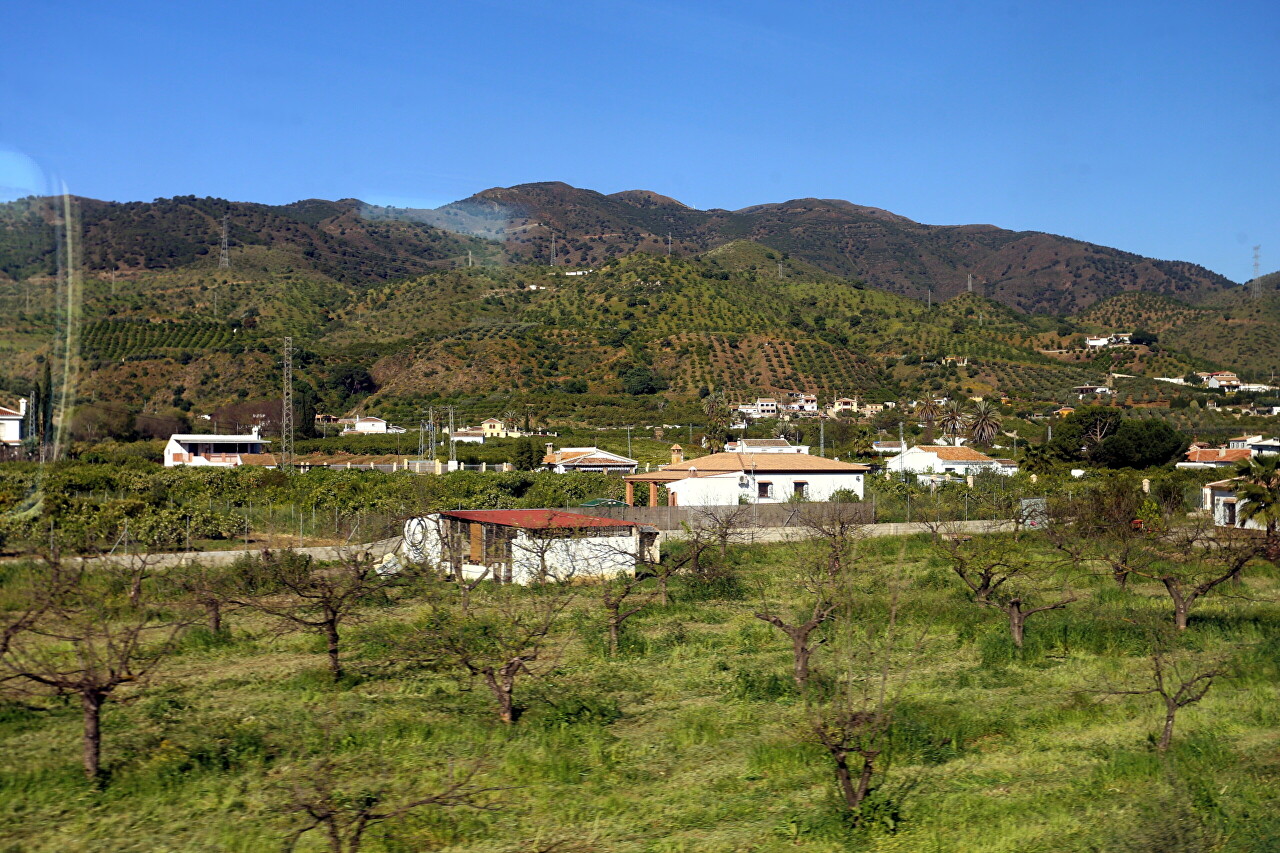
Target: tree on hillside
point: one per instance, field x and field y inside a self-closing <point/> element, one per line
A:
<point x="319" y="795"/>
<point x="1196" y="561"/>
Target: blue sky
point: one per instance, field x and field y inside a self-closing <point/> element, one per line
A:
<point x="1149" y="126"/>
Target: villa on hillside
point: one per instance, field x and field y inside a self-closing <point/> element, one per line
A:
<point x="370" y="426"/>
<point x="726" y="479"/>
<point x="1215" y="457"/>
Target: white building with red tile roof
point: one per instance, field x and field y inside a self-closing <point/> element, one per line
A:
<point x="942" y="459"/>
<point x="1215" y="457"/>
<point x="764" y="445"/>
<point x="12" y="423"/>
<point x="726" y="479"/>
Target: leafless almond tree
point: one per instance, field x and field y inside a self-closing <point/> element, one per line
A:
<point x="78" y="641"/>
<point x="316" y="798"/>
<point x="317" y="598"/>
<point x="999" y="573"/>
<point x="1178" y="678"/>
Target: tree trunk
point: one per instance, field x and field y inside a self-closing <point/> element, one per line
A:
<point x="335" y="838"/>
<point x="335" y="663"/>
<point x="801" y="654"/>
<point x="662" y="589"/>
<point x="845" y="780"/>
<point x="213" y="608"/>
<point x="614" y="624"/>
<point x="1166" y="737"/>
<point x="864" y="781"/>
<point x="502" y="686"/>
<point x="1017" y="622"/>
<point x="135" y="589"/>
<point x="1181" y="604"/>
<point x="92" y="705"/>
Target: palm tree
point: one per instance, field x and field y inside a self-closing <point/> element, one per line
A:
<point x="1259" y="492"/>
<point x="984" y="422"/>
<point x="954" y="419"/>
<point x="928" y="412"/>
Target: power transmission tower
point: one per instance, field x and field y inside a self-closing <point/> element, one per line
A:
<point x="553" y="248"/>
<point x="668" y="244"/>
<point x="469" y="261"/>
<point x="286" y="408"/>
<point x="224" y="258"/>
<point x="970" y="285"/>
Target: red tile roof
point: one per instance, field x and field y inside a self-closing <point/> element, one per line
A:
<point x="1219" y="454"/>
<point x="535" y="519"/>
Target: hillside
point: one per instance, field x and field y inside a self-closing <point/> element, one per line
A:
<point x="1034" y="272"/>
<point x="1230" y="329"/>
<point x="353" y="242"/>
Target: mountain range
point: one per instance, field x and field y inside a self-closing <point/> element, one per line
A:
<point x="350" y="241"/>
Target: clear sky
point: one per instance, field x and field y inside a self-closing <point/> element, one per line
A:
<point x="1149" y="126"/>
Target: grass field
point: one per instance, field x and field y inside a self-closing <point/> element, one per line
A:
<point x="692" y="738"/>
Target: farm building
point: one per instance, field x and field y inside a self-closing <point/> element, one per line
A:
<point x="522" y="546"/>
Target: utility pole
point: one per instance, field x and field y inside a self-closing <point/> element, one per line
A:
<point x="970" y="285"/>
<point x="431" y="420"/>
<point x="453" y="445"/>
<point x="286" y="408"/>
<point x="929" y="303"/>
<point x="422" y="438"/>
<point x="668" y="244"/>
<point x="553" y="248"/>
<point x="470" y="263"/>
<point x="224" y="258"/>
<point x="822" y="438"/>
<point x="628" y="429"/>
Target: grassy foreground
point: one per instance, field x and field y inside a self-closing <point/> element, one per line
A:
<point x="691" y="739"/>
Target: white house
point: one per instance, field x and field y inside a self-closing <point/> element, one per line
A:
<point x="526" y="545"/>
<point x="222" y="451"/>
<point x="939" y="459"/>
<point x="1107" y="340"/>
<point x="724" y="479"/>
<point x="764" y="445"/>
<point x="1083" y="391"/>
<point x="887" y="448"/>
<point x="371" y="426"/>
<point x="1220" y="499"/>
<point x="591" y="460"/>
<point x="467" y="435"/>
<point x="800" y="403"/>
<point x="497" y="428"/>
<point x="12" y="429"/>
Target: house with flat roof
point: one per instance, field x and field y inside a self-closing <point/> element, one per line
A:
<point x="219" y="451"/>
<point x="525" y="546"/>
<point x="726" y="479"/>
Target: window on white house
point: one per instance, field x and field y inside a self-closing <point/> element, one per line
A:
<point x="764" y="490"/>
<point x="800" y="489"/>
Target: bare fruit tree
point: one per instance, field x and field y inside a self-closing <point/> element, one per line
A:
<point x="79" y="641"/>
<point x="1198" y="560"/>
<point x="500" y="640"/>
<point x="305" y="596"/>
<point x="874" y="658"/>
<point x="1178" y="678"/>
<point x="1000" y="573"/>
<point x="315" y="798"/>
